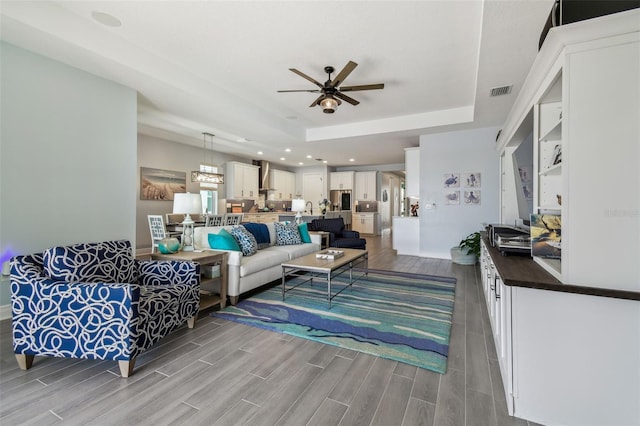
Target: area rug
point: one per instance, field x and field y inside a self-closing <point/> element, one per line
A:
<point x="399" y="316"/>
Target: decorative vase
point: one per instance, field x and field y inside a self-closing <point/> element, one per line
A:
<point x="169" y="245"/>
<point x="461" y="257"/>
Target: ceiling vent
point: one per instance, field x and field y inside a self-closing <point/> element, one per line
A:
<point x="499" y="91"/>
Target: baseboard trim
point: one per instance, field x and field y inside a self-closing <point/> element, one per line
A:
<point x="5" y="312"/>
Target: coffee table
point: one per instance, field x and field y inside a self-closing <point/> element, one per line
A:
<point x="326" y="270"/>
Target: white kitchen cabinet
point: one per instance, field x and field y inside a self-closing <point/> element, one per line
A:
<point x="412" y="172"/>
<point x="241" y="180"/>
<point x="341" y="180"/>
<point x="283" y="183"/>
<point x="366" y="186"/>
<point x="366" y="223"/>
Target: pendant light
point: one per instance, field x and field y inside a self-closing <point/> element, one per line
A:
<point x="206" y="177"/>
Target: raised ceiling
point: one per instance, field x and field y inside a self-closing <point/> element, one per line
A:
<point x="215" y="66"/>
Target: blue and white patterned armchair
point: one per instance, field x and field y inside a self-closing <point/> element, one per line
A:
<point x="96" y="301"/>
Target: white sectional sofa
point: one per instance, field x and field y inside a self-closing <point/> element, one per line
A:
<point x="248" y="272"/>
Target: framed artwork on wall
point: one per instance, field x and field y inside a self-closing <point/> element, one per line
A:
<point x="472" y="197"/>
<point x="160" y="185"/>
<point x="451" y="180"/>
<point x="452" y="198"/>
<point x="471" y="180"/>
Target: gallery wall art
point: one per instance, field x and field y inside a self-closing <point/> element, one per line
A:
<point x="470" y="182"/>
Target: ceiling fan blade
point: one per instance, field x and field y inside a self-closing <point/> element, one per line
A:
<point x="362" y="87"/>
<point x="321" y="97"/>
<point x="342" y="75"/>
<point x="306" y="77"/>
<point x="346" y="98"/>
<point x="302" y="90"/>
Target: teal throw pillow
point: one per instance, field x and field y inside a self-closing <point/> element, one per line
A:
<point x="223" y="240"/>
<point x="304" y="232"/>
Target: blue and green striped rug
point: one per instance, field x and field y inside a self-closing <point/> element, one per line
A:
<point x="399" y="316"/>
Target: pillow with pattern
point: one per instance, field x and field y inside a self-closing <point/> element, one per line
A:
<point x="245" y="239"/>
<point x="287" y="234"/>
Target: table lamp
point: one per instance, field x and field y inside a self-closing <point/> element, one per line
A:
<point x="186" y="203"/>
<point x="298" y="205"/>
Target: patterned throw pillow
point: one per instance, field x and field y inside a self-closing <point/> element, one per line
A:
<point x="245" y="239"/>
<point x="287" y="234"/>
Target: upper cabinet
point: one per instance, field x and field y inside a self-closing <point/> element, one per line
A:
<point x="241" y="180"/>
<point x="412" y="172"/>
<point x="283" y="183"/>
<point x="583" y="94"/>
<point x="341" y="180"/>
<point x="366" y="186"/>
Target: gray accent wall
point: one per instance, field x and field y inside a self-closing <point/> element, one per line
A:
<point x="463" y="151"/>
<point x="67" y="154"/>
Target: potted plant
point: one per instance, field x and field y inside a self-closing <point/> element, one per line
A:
<point x="468" y="251"/>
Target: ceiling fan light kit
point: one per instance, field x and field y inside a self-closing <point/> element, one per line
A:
<point x="331" y="92"/>
<point x="329" y="105"/>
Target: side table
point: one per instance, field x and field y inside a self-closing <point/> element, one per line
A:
<point x="208" y="297"/>
<point x="324" y="237"/>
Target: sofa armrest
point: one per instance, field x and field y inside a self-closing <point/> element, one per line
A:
<point x="80" y="320"/>
<point x="350" y="234"/>
<point x="167" y="272"/>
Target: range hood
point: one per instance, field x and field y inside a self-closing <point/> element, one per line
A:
<point x="263" y="182"/>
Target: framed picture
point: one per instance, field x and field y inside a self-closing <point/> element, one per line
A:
<point x="471" y="180"/>
<point x="546" y="232"/>
<point x="451" y="180"/>
<point x="452" y="198"/>
<point x="472" y="197"/>
<point x="158" y="184"/>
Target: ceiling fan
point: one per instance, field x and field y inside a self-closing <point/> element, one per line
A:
<point x="331" y="91"/>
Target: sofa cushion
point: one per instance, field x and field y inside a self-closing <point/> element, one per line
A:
<point x="295" y="251"/>
<point x="108" y="261"/>
<point x="223" y="240"/>
<point x="287" y="234"/>
<point x="245" y="239"/>
<point x="335" y="226"/>
<point x="264" y="259"/>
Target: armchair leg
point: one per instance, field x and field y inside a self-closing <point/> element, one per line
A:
<point x="191" y="322"/>
<point x="234" y="300"/>
<point x="24" y="361"/>
<point x="126" y="367"/>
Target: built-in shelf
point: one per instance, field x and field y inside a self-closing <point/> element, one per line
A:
<point x="556" y="169"/>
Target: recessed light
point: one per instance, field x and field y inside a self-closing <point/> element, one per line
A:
<point x="282" y="158"/>
<point x="351" y="160"/>
<point x="287" y="150"/>
<point x="106" y="19"/>
<point x="309" y="156"/>
<point x="260" y="152"/>
<point x="325" y="161"/>
<point x="300" y="163"/>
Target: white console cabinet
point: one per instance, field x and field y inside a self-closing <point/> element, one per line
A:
<point x="569" y="352"/>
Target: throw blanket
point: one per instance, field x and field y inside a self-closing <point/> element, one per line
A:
<point x="259" y="231"/>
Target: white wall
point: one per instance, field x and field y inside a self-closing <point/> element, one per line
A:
<point x="464" y="151"/>
<point x="68" y="155"/>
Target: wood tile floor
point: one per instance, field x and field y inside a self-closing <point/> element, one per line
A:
<point x="224" y="373"/>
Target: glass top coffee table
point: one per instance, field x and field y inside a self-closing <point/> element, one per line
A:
<point x="327" y="269"/>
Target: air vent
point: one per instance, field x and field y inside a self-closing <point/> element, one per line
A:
<point x="499" y="91"/>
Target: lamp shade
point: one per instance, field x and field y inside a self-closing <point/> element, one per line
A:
<point x="186" y="203"/>
<point x="297" y="205"/>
